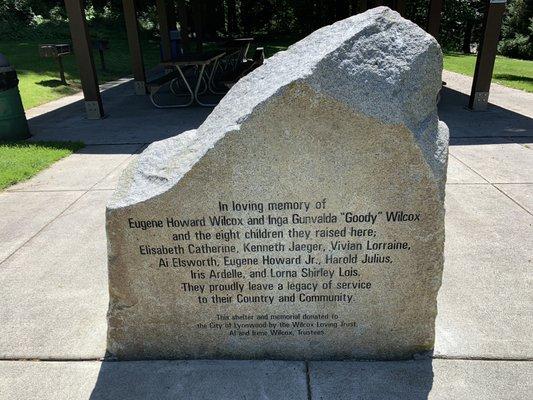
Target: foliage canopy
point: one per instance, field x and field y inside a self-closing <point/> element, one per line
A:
<point x="460" y="27"/>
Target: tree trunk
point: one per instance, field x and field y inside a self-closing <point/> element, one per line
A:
<point x="362" y="5"/>
<point x="171" y="14"/>
<point x="183" y="19"/>
<point x="467" y="39"/>
<point x="232" y="17"/>
<point x="213" y="18"/>
<point x="342" y="9"/>
<point x="198" y="21"/>
<point x="247" y="16"/>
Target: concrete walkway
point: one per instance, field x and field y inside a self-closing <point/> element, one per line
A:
<point x="130" y="118"/>
<point x="54" y="280"/>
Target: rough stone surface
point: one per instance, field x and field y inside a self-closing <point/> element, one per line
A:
<point x="333" y="139"/>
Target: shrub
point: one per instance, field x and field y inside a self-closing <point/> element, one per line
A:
<point x="519" y="46"/>
<point x="517" y="30"/>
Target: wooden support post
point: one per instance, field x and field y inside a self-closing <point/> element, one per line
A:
<point x="134" y="44"/>
<point x="434" y="15"/>
<point x="162" y="17"/>
<point x="479" y="96"/>
<point x="84" y="58"/>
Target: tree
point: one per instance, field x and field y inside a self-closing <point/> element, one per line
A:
<point x="517" y="30"/>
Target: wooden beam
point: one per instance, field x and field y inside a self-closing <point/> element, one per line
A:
<point x="134" y="44"/>
<point x="164" y="27"/>
<point x="492" y="23"/>
<point x="84" y="58"/>
<point x="434" y="16"/>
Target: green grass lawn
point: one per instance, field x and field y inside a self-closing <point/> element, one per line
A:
<point x="509" y="72"/>
<point x="39" y="77"/>
<point x="272" y="46"/>
<point x="21" y="160"/>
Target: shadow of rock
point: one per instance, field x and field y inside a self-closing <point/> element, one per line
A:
<point x="383" y="380"/>
<point x="220" y="380"/>
<point x="195" y="380"/>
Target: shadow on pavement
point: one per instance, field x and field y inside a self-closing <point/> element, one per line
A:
<point x="382" y="380"/>
<point x="133" y="119"/>
<point x="130" y="119"/>
<point x="218" y="380"/>
<point x="201" y="380"/>
<point x="474" y="127"/>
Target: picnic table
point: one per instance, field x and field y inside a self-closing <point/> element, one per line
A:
<point x="242" y="44"/>
<point x="193" y="74"/>
<point x="200" y="61"/>
<point x="236" y="53"/>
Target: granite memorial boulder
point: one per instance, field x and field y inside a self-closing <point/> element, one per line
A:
<point x="304" y="219"/>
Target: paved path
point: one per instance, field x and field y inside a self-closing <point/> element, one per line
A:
<point x="54" y="280"/>
<point x="130" y="118"/>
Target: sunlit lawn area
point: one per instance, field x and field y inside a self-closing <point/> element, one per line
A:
<point x="39" y="77"/>
<point x="21" y="160"/>
<point x="273" y="46"/>
<point x="510" y="72"/>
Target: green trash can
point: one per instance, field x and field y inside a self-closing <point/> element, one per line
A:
<point x="13" y="123"/>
